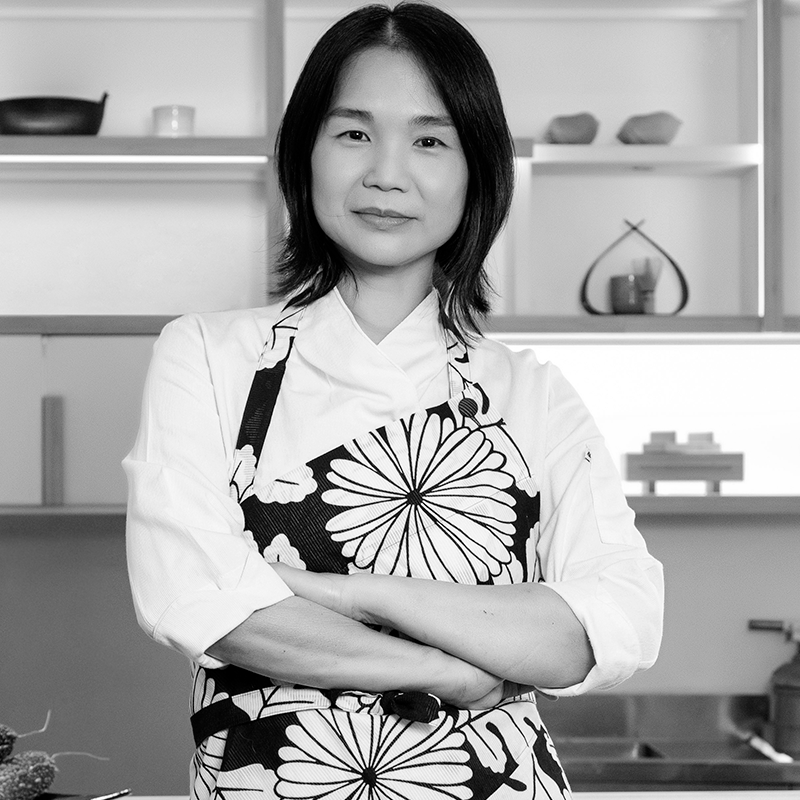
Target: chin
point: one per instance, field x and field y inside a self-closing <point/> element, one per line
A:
<point x="379" y="260"/>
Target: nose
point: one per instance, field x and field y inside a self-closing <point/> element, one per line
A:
<point x="387" y="169"/>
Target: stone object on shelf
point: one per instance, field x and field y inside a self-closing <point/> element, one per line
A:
<point x="700" y="458"/>
<point x="660" y="127"/>
<point x="572" y="129"/>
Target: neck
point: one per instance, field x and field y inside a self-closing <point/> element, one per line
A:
<point x="381" y="302"/>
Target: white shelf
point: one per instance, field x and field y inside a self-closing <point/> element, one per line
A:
<point x="245" y="158"/>
<point x="666" y="159"/>
<point x="27" y="158"/>
<point x="111" y="510"/>
<point x="500" y="324"/>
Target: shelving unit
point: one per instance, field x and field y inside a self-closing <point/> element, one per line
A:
<point x="709" y="197"/>
<point x="738" y="148"/>
<point x="164" y="225"/>
<point x="195" y="203"/>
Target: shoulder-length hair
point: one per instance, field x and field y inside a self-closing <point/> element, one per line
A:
<point x="310" y="264"/>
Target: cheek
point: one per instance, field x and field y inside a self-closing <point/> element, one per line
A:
<point x="319" y="189"/>
<point x="453" y="195"/>
<point x="326" y="192"/>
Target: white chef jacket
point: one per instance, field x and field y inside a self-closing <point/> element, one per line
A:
<point x="195" y="577"/>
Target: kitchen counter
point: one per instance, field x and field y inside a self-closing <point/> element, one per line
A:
<point x="29" y="517"/>
<point x="632" y="743"/>
<point x="699" y="795"/>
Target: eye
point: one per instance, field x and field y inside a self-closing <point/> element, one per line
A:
<point x="354" y="136"/>
<point x="429" y="142"/>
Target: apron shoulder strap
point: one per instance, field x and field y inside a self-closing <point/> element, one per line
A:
<point x="267" y="382"/>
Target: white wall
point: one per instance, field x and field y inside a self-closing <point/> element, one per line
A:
<point x="106" y="242"/>
<point x="719" y="573"/>
<point x="207" y="55"/>
<point x="745" y="393"/>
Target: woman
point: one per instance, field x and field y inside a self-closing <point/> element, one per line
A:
<point x="374" y="554"/>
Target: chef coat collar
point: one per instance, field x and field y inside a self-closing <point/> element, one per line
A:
<point x="330" y="338"/>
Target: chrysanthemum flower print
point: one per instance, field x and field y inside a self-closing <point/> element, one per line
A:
<point x="291" y="488"/>
<point x="281" y="549"/>
<point x="243" y="474"/>
<point x="335" y="756"/>
<point x="249" y="782"/>
<point x="425" y="498"/>
<point x="205" y="766"/>
<point x="204" y="689"/>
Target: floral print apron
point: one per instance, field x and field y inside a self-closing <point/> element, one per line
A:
<point x="442" y="494"/>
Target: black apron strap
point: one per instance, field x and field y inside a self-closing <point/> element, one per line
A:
<point x="215" y="718"/>
<point x="261" y="404"/>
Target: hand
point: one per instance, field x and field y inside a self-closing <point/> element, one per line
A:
<point x="461" y="684"/>
<point x="490" y="699"/>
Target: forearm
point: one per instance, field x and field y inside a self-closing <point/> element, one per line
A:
<point x="302" y="642"/>
<point x="524" y="632"/>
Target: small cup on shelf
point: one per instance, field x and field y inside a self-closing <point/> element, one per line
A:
<point x="626" y="297"/>
<point x="173" y="121"/>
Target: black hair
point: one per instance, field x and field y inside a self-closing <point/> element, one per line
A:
<point x="310" y="264"/>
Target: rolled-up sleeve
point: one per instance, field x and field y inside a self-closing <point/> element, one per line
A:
<point x="592" y="555"/>
<point x="194" y="575"/>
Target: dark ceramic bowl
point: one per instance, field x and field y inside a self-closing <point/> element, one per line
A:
<point x="53" y="116"/>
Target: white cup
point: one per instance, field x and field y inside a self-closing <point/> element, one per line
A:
<point x="173" y="120"/>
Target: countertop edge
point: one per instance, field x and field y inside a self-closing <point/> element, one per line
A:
<point x="715" y="505"/>
<point x="724" y="794"/>
<point x="642" y="505"/>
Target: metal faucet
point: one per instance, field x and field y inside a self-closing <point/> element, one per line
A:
<point x="791" y="630"/>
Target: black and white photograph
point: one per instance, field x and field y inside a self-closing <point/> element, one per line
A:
<point x="400" y="400"/>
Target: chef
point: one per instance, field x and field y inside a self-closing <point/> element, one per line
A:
<point x="375" y="533"/>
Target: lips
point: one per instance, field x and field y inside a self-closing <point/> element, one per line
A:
<point x="381" y="218"/>
<point x="382" y="212"/>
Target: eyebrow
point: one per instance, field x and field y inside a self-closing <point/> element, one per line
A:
<point x="422" y="120"/>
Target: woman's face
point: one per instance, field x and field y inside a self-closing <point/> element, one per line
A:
<point x="389" y="177"/>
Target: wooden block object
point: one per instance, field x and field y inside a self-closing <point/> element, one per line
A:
<point x="676" y="466"/>
<point x="53" y="450"/>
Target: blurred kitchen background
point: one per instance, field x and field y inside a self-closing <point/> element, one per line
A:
<point x="103" y="239"/>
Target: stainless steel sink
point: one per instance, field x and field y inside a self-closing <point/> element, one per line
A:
<point x="605" y="749"/>
<point x="638" y="742"/>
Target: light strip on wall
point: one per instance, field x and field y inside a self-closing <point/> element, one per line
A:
<point x="17" y="158"/>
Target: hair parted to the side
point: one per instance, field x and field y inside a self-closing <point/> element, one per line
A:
<point x="310" y="265"/>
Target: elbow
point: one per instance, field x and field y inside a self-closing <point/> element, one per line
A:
<point x="622" y="613"/>
<point x="561" y="653"/>
<point x="572" y="668"/>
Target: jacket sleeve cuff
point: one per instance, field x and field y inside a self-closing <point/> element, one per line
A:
<point x="198" y="619"/>
<point x="614" y="640"/>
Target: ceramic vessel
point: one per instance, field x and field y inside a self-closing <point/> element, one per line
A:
<point x="53" y="116"/>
